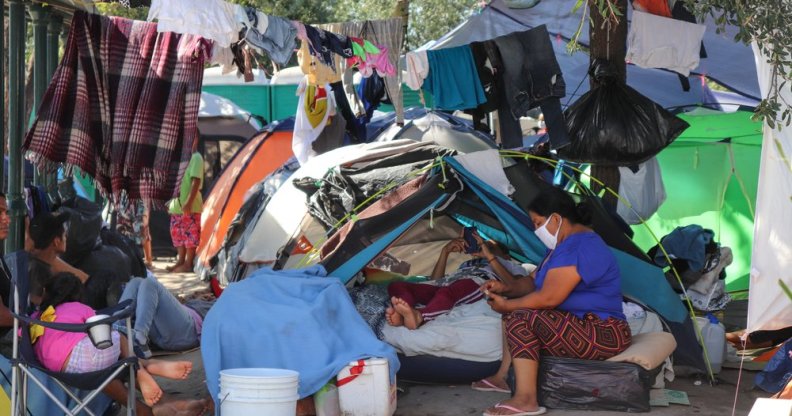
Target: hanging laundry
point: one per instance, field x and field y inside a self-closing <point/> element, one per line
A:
<point x="314" y="108"/>
<point x="356" y="130"/>
<point x="332" y="137"/>
<point x="643" y="189"/>
<point x="361" y="48"/>
<point x="255" y="26"/>
<point x="453" y="80"/>
<point x="133" y="135"/>
<point x="417" y="69"/>
<point x="372" y="92"/>
<point x="532" y="77"/>
<point x="302" y="34"/>
<point x="379" y="62"/>
<point x="279" y="39"/>
<point x="676" y="49"/>
<point x="655" y="7"/>
<point x="319" y="41"/>
<point x="355" y="104"/>
<point x="214" y="19"/>
<point x="316" y="72"/>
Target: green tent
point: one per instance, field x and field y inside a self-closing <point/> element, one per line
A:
<point x="711" y="173"/>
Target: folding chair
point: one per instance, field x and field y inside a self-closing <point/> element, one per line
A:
<point x="24" y="357"/>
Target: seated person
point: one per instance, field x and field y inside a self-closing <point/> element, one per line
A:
<point x="72" y="352"/>
<point x="47" y="235"/>
<point x="160" y="319"/>
<point x="577" y="290"/>
<point x="492" y="262"/>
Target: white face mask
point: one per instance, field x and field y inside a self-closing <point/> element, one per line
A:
<point x="549" y="240"/>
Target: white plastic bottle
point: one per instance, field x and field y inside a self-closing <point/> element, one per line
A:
<point x="714" y="335"/>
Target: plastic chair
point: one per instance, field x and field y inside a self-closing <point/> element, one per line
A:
<point x="24" y="357"/>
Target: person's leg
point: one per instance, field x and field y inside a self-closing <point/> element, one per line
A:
<point x="177" y="237"/>
<point x="162" y="319"/>
<point x="192" y="237"/>
<point x="497" y="382"/>
<point x="524" y="347"/>
<point x="408" y="294"/>
<point x="460" y="292"/>
<point x="147" y="254"/>
<point x="118" y="392"/>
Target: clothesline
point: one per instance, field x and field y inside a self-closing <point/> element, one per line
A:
<point x="237" y="31"/>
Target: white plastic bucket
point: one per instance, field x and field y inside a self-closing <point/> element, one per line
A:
<point x="364" y="389"/>
<point x="258" y="391"/>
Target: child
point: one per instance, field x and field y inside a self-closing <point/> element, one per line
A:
<point x="73" y="352"/>
<point x="462" y="288"/>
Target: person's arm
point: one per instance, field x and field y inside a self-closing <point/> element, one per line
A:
<point x="195" y="184"/>
<point x="558" y="284"/>
<point x="456" y="245"/>
<point x="60" y="266"/>
<point x="6" y="319"/>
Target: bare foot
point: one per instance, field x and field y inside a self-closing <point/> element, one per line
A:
<point x="393" y="317"/>
<point x="182" y="408"/>
<point x="412" y="318"/>
<point x="182" y="268"/>
<point x="149" y="388"/>
<point x="175" y="370"/>
<point x="173" y="266"/>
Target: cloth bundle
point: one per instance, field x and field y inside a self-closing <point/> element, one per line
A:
<point x="122" y="107"/>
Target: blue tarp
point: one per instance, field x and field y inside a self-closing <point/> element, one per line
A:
<point x="293" y="319"/>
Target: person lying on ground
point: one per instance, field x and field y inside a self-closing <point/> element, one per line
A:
<point x="71" y="352"/>
<point x="160" y="319"/>
<point x="492" y="262"/>
<point x="576" y="290"/>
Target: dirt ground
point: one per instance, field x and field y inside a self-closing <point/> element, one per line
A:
<point x="443" y="400"/>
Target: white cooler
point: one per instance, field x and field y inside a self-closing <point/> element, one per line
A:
<point x="364" y="389"/>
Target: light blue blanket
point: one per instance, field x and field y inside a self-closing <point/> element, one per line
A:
<point x="294" y="319"/>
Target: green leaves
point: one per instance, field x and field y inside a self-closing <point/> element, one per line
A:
<point x="766" y="22"/>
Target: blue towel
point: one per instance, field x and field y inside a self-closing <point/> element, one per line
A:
<point x="453" y="79"/>
<point x="689" y="243"/>
<point x="292" y="319"/>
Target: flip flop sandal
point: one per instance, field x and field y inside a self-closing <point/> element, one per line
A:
<point x="517" y="412"/>
<point x="488" y="386"/>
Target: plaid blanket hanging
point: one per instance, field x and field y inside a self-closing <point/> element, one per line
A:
<point x="122" y="107"/>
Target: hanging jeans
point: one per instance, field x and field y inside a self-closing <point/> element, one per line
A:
<point x="532" y="77"/>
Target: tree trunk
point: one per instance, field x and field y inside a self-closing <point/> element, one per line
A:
<point x="608" y="40"/>
<point x="402" y="10"/>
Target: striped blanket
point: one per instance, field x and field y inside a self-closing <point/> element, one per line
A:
<point x="122" y="107"/>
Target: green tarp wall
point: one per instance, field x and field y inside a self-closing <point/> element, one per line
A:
<point x="276" y="102"/>
<point x="711" y="174"/>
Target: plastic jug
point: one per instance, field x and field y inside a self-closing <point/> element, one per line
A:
<point x="714" y="335"/>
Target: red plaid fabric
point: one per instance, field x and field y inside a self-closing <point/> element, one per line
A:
<point x="122" y="107"/>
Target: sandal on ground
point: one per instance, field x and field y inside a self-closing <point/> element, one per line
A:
<point x="486" y="385"/>
<point x="516" y="412"/>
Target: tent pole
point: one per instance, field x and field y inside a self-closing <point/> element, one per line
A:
<point x="16" y="121"/>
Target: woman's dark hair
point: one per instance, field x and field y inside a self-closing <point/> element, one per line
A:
<point x="39" y="276"/>
<point x="62" y="288"/>
<point x="554" y="200"/>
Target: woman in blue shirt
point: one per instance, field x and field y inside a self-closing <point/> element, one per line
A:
<point x="570" y="308"/>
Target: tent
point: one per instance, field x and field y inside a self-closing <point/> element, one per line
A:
<point x="407" y="227"/>
<point x="257" y="158"/>
<point x="711" y="174"/>
<point x="728" y="63"/>
<point x="282" y="215"/>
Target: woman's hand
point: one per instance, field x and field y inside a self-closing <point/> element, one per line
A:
<point x="498" y="303"/>
<point x="494" y="286"/>
<point x="456" y="245"/>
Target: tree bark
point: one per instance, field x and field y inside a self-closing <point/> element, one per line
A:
<point x="608" y="40"/>
<point x="402" y="10"/>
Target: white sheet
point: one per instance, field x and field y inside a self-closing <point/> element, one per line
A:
<point x="469" y="332"/>
<point x="771" y="260"/>
<point x="487" y="166"/>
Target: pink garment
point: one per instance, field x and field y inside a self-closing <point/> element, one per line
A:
<point x="380" y="62"/>
<point x="54" y="347"/>
<point x="301" y="33"/>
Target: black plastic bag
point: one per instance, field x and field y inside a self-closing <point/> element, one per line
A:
<point x="568" y="383"/>
<point x="614" y="125"/>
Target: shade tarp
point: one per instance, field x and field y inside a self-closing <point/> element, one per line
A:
<point x="771" y="263"/>
<point x="728" y="62"/>
<point x="711" y="176"/>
